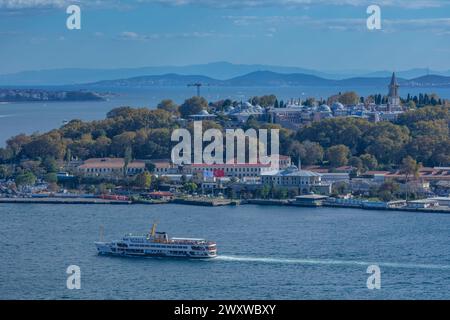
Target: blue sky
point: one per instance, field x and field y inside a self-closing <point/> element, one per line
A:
<point x="326" y="35"/>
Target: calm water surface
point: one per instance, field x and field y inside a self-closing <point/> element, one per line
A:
<point x="264" y="253"/>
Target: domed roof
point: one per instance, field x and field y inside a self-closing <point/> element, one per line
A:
<point x="338" y="106"/>
<point x="204" y="113"/>
<point x="324" y="108"/>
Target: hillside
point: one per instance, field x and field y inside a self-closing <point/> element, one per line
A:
<point x="269" y="79"/>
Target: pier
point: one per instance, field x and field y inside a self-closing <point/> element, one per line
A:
<point x="205" y="202"/>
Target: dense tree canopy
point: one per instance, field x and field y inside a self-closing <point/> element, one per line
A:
<point x="422" y="134"/>
<point x="169" y="106"/>
<point x="193" y="106"/>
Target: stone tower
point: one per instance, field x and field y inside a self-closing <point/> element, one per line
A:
<point x="393" y="96"/>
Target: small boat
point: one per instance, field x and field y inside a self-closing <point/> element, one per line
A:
<point x="158" y="244"/>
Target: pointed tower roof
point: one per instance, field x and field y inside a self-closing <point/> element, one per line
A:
<point x="394" y="80"/>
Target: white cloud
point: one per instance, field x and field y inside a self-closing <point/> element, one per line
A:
<point x="133" y="36"/>
<point x="414" y="4"/>
<point x="438" y="26"/>
<point x="30" y="4"/>
<point x="18" y="5"/>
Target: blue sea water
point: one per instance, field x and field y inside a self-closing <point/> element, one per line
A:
<point x="16" y="118"/>
<point x="264" y="253"/>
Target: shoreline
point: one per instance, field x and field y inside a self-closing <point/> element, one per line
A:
<point x="207" y="203"/>
<point x="62" y="201"/>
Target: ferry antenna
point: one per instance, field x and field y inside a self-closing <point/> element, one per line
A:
<point x="155" y="224"/>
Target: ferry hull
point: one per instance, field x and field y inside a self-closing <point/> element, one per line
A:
<point x="106" y="249"/>
<point x="155" y="255"/>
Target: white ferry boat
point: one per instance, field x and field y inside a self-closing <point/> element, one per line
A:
<point x="158" y="244"/>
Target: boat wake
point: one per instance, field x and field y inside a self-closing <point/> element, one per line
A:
<point x="331" y="262"/>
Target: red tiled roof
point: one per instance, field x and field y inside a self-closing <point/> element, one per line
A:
<point x="377" y="172"/>
<point x="345" y="168"/>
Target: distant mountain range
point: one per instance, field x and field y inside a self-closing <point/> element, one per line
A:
<point x="217" y="70"/>
<point x="269" y="79"/>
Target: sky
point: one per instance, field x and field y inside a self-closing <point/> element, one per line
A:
<point x="326" y="35"/>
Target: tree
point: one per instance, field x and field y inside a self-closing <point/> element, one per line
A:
<point x="334" y="131"/>
<point x="51" y="177"/>
<point x="280" y="193"/>
<point x="424" y="114"/>
<point x="25" y="179"/>
<point x="409" y="168"/>
<point x="411" y="105"/>
<point x="337" y="156"/>
<point x="143" y="180"/>
<point x="48" y="145"/>
<point x="386" y="141"/>
<point x="33" y="167"/>
<point x="6" y="155"/>
<point x="101" y="147"/>
<point x="265" y="191"/>
<point x="369" y="162"/>
<point x="5" y="172"/>
<point x="50" y="165"/>
<point x="16" y="144"/>
<point x="387" y="191"/>
<point x="340" y="187"/>
<point x="348" y="98"/>
<point x="68" y="155"/>
<point x="310" y="102"/>
<point x="356" y="163"/>
<point x="193" y="106"/>
<point x="121" y="143"/>
<point x="127" y="159"/>
<point x="308" y="152"/>
<point x="169" y="106"/>
<point x="190" y="187"/>
<point x="120" y="112"/>
<point x="265" y="101"/>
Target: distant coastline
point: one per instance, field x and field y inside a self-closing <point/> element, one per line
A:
<point x="39" y="95"/>
<point x="267" y="79"/>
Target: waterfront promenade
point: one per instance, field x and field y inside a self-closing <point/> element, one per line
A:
<point x="62" y="201"/>
<point x="212" y="202"/>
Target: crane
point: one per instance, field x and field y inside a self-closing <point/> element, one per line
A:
<point x="198" y="85"/>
